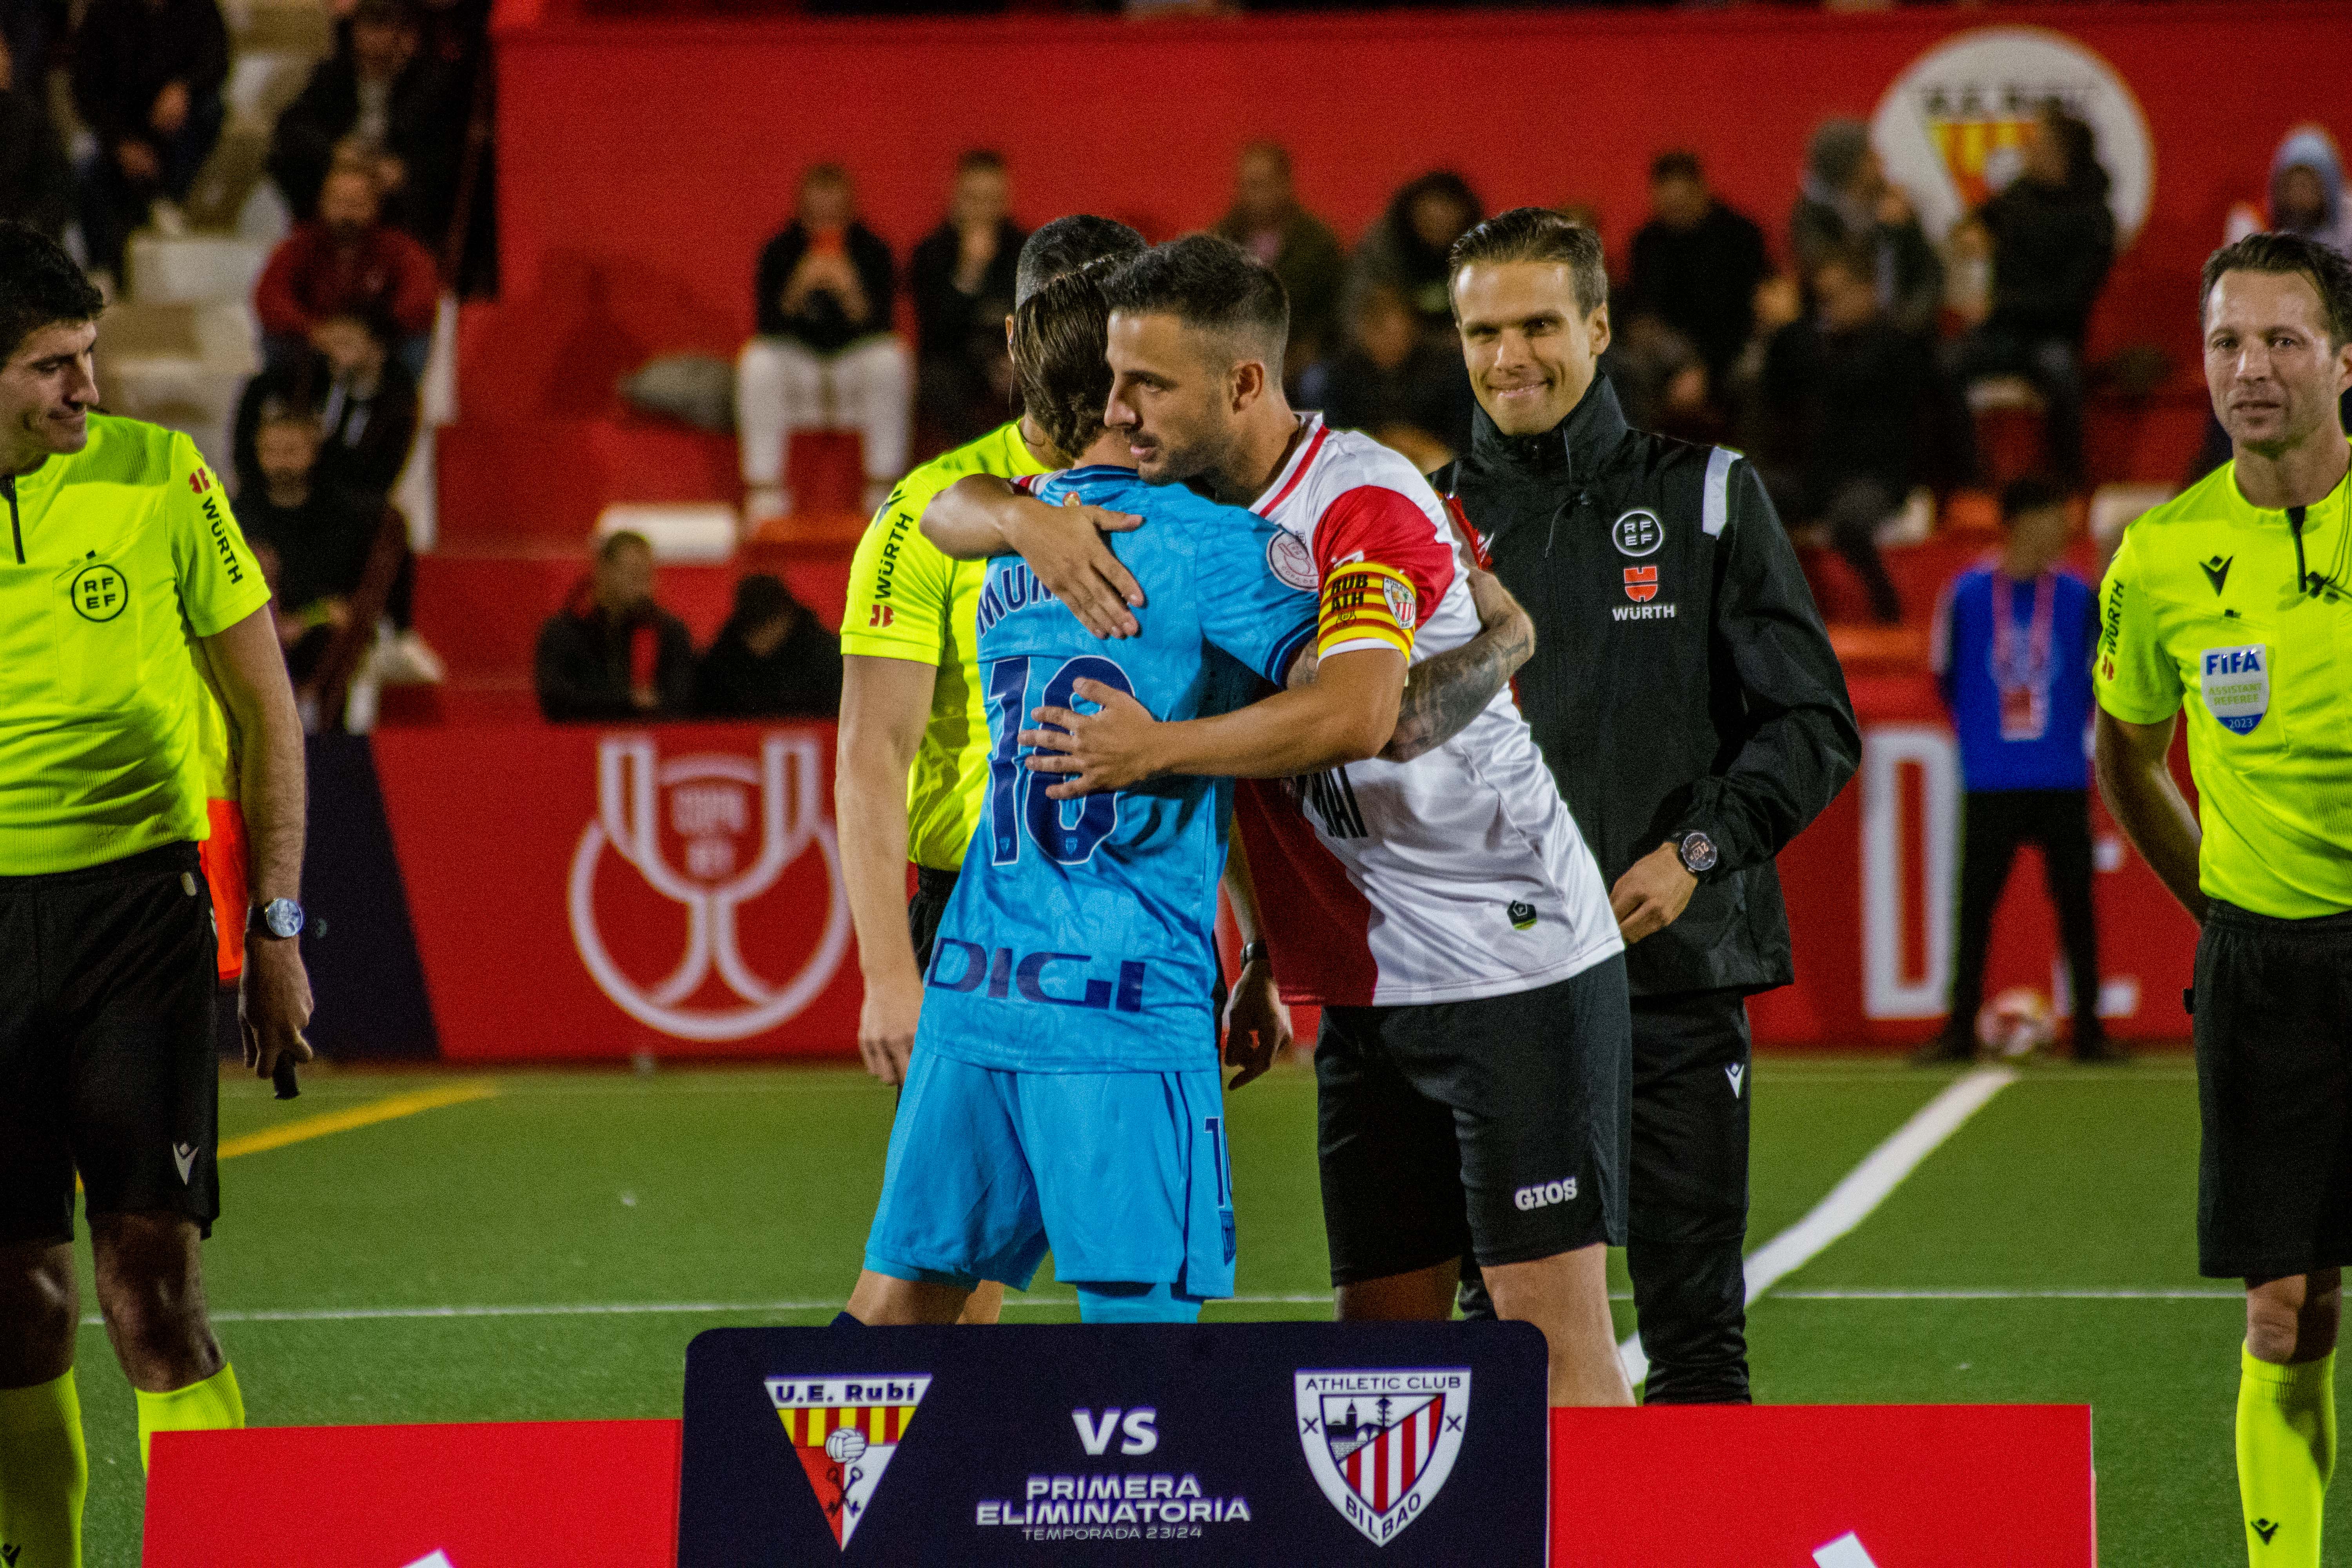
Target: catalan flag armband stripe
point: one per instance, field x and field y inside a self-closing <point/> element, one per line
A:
<point x="1366" y="604"/>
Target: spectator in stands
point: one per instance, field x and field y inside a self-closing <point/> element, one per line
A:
<point x="2013" y="648"/>
<point x="1846" y="201"/>
<point x="1405" y="248"/>
<point x="1695" y="266"/>
<point x="2051" y="239"/>
<point x="962" y="278"/>
<point x="824" y="354"/>
<point x="322" y="534"/>
<point x="36" y="182"/>
<point x="380" y="101"/>
<point x="1846" y="392"/>
<point x="302" y="640"/>
<point x="2307" y="194"/>
<point x="366" y="402"/>
<point x="611" y="652"/>
<point x="347" y="262"/>
<point x="1388" y="380"/>
<point x="772" y="657"/>
<point x="1266" y="220"/>
<point x="147" y="77"/>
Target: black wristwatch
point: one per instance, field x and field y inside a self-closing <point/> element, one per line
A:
<point x="279" y="919"/>
<point x="1697" y="852"/>
<point x="1253" y="952"/>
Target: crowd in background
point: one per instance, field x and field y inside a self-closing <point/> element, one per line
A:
<point x="1838" y="348"/>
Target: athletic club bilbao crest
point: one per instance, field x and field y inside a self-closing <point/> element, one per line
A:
<point x="1952" y="128"/>
<point x="679" y="945"/>
<point x="844" y="1431"/>
<point x="1383" y="1441"/>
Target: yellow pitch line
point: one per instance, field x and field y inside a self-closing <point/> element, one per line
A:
<point x="388" y="1108"/>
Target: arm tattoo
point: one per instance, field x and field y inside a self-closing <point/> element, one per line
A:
<point x="1444" y="692"/>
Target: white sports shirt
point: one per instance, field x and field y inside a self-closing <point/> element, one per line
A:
<point x="1457" y="875"/>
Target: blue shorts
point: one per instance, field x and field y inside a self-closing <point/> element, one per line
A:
<point x="1122" y="1174"/>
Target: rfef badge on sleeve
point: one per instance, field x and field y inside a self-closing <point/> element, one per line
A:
<point x="2236" y="685"/>
<point x="1230" y="1443"/>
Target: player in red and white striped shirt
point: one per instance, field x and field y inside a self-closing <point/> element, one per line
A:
<point x="1438" y="900"/>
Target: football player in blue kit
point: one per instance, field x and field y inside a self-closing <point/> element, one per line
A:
<point x="1063" y="1091"/>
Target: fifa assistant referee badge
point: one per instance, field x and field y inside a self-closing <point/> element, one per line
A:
<point x="279" y="919"/>
<point x="1697" y="852"/>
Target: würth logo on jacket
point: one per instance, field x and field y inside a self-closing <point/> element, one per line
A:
<point x="1640" y="584"/>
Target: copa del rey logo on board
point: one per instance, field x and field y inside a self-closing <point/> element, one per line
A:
<point x="844" y="1432"/>
<point x="1381" y="1441"/>
<point x="708" y="835"/>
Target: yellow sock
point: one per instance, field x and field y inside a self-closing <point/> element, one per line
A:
<point x="43" y="1474"/>
<point x="2286" y="1452"/>
<point x="211" y="1405"/>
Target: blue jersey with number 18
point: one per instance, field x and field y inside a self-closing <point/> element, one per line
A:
<point x="1080" y="938"/>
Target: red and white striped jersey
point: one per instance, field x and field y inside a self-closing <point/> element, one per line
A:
<point x="1457" y="875"/>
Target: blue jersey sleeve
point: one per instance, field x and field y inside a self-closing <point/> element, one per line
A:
<point x="1246" y="607"/>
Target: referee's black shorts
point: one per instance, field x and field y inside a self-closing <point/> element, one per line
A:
<point x="107" y="1060"/>
<point x="2273" y="1026"/>
<point x="1497" y="1128"/>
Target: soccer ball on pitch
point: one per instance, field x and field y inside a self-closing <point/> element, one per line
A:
<point x="2016" y="1023"/>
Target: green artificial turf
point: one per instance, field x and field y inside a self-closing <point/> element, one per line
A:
<point x="742" y="1196"/>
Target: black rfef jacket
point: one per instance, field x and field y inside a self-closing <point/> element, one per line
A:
<point x="1680" y="679"/>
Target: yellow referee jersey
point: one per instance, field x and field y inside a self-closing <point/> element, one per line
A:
<point x="2201" y="609"/>
<point x="114" y="558"/>
<point x="909" y="601"/>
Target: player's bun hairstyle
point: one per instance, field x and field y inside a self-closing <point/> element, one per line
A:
<point x="1066" y="243"/>
<point x="1211" y="284"/>
<point x="1060" y="335"/>
<point x="1535" y="234"/>
<point x="2330" y="273"/>
<point x="40" y="286"/>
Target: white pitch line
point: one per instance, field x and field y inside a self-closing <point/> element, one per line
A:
<point x="1862" y="1190"/>
<point x="646" y="1308"/>
<point x="2001" y="1295"/>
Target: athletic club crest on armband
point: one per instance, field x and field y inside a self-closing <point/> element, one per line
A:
<point x="1383" y="1441"/>
<point x="1400" y="601"/>
<point x="844" y="1432"/>
<point x="2236" y="685"/>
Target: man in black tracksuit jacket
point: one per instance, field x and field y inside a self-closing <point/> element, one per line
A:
<point x="1695" y="718"/>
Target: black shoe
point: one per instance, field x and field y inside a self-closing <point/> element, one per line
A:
<point x="2098" y="1050"/>
<point x="1944" y="1049"/>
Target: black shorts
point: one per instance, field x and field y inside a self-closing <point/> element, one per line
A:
<point x="1497" y="1127"/>
<point x="106" y="1061"/>
<point x="2274" y="1022"/>
<point x="926" y="910"/>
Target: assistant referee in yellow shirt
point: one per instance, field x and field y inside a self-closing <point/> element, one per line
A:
<point x="125" y="588"/>
<point x="2234" y="601"/>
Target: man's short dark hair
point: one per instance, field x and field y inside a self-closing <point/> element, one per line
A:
<point x="1536" y="234"/>
<point x="2031" y="493"/>
<point x="621" y="539"/>
<point x="1681" y="163"/>
<point x="1066" y="243"/>
<point x="381" y="14"/>
<point x="2330" y="273"/>
<point x="759" y="598"/>
<point x="980" y="158"/>
<point x="1209" y="284"/>
<point x="1060" y="334"/>
<point x="40" y="286"/>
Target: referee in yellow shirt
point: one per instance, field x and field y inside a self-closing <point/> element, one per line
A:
<point x="2234" y="601"/>
<point x="125" y="587"/>
<point x="912" y="764"/>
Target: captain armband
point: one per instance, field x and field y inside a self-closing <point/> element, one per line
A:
<point x="1366" y="604"/>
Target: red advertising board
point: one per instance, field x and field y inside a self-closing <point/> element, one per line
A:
<point x="1952" y="1486"/>
<point x="1827" y="1486"/>
<point x="541" y="1494"/>
<point x="581" y="892"/>
<point x="592" y="893"/>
